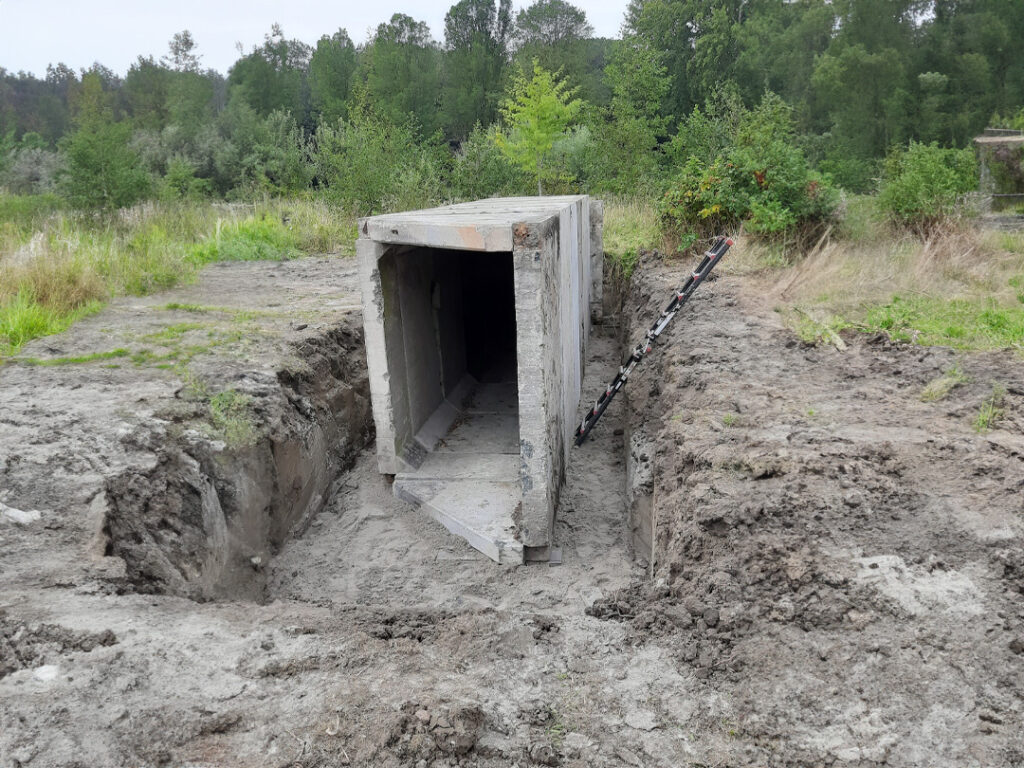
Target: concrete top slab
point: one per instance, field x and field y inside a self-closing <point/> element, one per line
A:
<point x="482" y="225"/>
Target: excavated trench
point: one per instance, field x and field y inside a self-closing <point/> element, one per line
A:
<point x="204" y="520"/>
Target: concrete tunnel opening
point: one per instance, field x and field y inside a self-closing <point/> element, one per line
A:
<point x="476" y="319"/>
<point x="456" y="390"/>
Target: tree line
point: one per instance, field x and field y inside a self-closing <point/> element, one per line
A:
<point x="855" y="78"/>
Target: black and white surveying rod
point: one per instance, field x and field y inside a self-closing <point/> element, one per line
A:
<point x="711" y="258"/>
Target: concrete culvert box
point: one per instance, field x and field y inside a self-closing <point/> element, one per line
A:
<point x="477" y="317"/>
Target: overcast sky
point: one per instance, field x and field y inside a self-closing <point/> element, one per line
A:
<point x="34" y="33"/>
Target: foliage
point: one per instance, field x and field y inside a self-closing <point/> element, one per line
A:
<point x="762" y="181"/>
<point x="249" y="240"/>
<point x="32" y="171"/>
<point x="480" y="169"/>
<point x="628" y="156"/>
<point x="330" y="75"/>
<point x="370" y="164"/>
<point x="537" y="112"/>
<point x="922" y="183"/>
<point x="960" y="323"/>
<point x="476" y="36"/>
<point x="399" y="74"/>
<point x="272" y="78"/>
<point x="102" y="170"/>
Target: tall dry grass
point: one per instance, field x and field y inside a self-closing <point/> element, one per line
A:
<point x="56" y="265"/>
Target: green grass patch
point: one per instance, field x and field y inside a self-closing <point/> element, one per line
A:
<point x="629" y="227"/>
<point x="23" y="318"/>
<point x="76" y="359"/>
<point x="960" y="323"/>
<point x="231" y="416"/>
<point x="991" y="410"/>
<point x="249" y="240"/>
<point x="939" y="387"/>
<point x="172" y="333"/>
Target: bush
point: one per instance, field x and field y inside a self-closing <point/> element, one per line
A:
<point x="103" y="172"/>
<point x="761" y="181"/>
<point x="922" y="183"/>
<point x="32" y="171"/>
<point x="248" y="240"/>
<point x="480" y="169"/>
<point x="180" y="182"/>
<point x="371" y="165"/>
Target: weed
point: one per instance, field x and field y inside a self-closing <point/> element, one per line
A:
<point x="231" y="415"/>
<point x="939" y="387"/>
<point x="76" y="360"/>
<point x="23" y="318"/>
<point x="171" y="333"/>
<point x="991" y="410"/>
<point x="630" y="225"/>
<point x="812" y="331"/>
<point x="729" y="419"/>
<point x="249" y="240"/>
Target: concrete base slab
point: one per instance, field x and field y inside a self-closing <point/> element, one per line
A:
<point x="479" y="511"/>
<point x="469" y="479"/>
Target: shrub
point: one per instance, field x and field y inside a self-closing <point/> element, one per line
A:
<point x="180" y="182"/>
<point x="922" y="183"/>
<point x="761" y="181"/>
<point x="32" y="171"/>
<point x="480" y="169"/>
<point x="102" y="170"/>
<point x="248" y="240"/>
<point x="371" y="165"/>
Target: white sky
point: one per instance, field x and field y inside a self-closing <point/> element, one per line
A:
<point x="34" y="33"/>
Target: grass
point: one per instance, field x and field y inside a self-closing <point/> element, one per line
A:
<point x="76" y="360"/>
<point x="57" y="265"/>
<point x="958" y="287"/>
<point x="991" y="410"/>
<point x="939" y="387"/>
<point x="231" y="416"/>
<point x="630" y="225"/>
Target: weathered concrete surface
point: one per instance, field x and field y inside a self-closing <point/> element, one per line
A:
<point x="420" y="286"/>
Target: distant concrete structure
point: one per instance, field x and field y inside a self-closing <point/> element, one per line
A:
<point x="1001" y="164"/>
<point x="476" y="320"/>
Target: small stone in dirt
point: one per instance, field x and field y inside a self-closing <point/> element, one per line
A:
<point x="618" y="431"/>
<point x="710" y="616"/>
<point x="1017" y="645"/>
<point x="627" y="756"/>
<point x="423" y="716"/>
<point x="640" y="719"/>
<point x="543" y="754"/>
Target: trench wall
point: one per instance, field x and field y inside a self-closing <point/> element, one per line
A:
<point x="204" y="519"/>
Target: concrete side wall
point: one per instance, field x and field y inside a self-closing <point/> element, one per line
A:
<point x="553" y="268"/>
<point x="369" y="255"/>
<point x="422" y="361"/>
<point x="448" y="309"/>
<point x="536" y="297"/>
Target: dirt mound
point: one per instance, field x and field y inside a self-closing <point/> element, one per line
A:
<point x="831" y="552"/>
<point x="24" y="646"/>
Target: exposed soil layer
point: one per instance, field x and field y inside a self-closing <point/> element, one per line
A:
<point x="837" y="567"/>
<point x="838" y="562"/>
